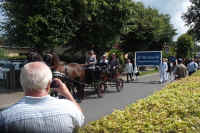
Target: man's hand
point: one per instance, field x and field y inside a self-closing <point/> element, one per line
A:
<point x="63" y="90"/>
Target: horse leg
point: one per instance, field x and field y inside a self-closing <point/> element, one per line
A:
<point x="80" y="91"/>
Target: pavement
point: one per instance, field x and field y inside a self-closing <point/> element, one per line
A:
<point x="8" y="97"/>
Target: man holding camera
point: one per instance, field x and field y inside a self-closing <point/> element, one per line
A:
<point x="37" y="112"/>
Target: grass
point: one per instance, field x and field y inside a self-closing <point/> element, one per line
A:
<point x="148" y="72"/>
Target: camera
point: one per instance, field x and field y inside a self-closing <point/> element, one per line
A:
<point x="54" y="84"/>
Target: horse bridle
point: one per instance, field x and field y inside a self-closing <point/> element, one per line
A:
<point x="60" y="75"/>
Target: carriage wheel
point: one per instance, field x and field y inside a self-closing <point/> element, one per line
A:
<point x="119" y="85"/>
<point x="100" y="88"/>
<point x="75" y="93"/>
<point x="105" y="86"/>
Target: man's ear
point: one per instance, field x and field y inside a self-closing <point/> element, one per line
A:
<point x="48" y="86"/>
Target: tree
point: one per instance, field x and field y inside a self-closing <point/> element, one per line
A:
<point x="148" y="30"/>
<point x="106" y="21"/>
<point x="192" y="19"/>
<point x="41" y="24"/>
<point x="80" y="24"/>
<point x="185" y="46"/>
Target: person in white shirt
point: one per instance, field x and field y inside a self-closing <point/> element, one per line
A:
<point x="128" y="70"/>
<point x="163" y="71"/>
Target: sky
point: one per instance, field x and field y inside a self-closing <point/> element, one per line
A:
<point x="175" y="8"/>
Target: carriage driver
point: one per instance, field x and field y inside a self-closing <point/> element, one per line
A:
<point x="90" y="63"/>
<point x="113" y="64"/>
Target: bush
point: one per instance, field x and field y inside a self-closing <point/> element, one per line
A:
<point x="22" y="57"/>
<point x="174" y="109"/>
<point x="3" y="53"/>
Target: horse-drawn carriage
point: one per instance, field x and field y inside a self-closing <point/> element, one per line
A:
<point x="111" y="76"/>
<point x="77" y="78"/>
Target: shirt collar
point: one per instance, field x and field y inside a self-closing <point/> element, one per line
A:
<point x="37" y="99"/>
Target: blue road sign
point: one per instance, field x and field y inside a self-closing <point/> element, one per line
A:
<point x="148" y="58"/>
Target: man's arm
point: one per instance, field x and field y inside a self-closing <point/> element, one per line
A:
<point x="63" y="90"/>
<point x="78" y="117"/>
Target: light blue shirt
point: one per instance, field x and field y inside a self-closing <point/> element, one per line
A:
<point x="41" y="115"/>
<point x="192" y="66"/>
<point x="163" y="67"/>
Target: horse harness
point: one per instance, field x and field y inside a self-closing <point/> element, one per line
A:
<point x="63" y="77"/>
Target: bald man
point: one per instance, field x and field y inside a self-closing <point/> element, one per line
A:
<point x="37" y="112"/>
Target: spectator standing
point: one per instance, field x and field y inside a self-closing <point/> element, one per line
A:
<point x="128" y="70"/>
<point x="133" y="64"/>
<point x="192" y="67"/>
<point x="163" y="71"/>
<point x="173" y="66"/>
<point x="37" y="112"/>
<point x="180" y="70"/>
<point x="136" y="71"/>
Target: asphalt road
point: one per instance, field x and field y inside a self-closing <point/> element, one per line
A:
<point x="95" y="108"/>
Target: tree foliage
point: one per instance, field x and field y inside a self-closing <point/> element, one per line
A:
<point x="185" y="46"/>
<point x="40" y="24"/>
<point x="192" y="18"/>
<point x="106" y="19"/>
<point x="148" y="29"/>
<point x="79" y="23"/>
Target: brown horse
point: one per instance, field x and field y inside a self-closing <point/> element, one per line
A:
<point x="34" y="56"/>
<point x="74" y="73"/>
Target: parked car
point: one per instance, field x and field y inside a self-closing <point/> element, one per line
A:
<point x="18" y="65"/>
<point x="6" y="65"/>
<point x="3" y="62"/>
<point x="5" y="68"/>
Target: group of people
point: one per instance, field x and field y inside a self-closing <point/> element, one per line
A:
<point x="177" y="69"/>
<point x="91" y="62"/>
<point x="129" y="68"/>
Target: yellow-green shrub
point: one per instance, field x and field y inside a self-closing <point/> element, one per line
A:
<point x="174" y="109"/>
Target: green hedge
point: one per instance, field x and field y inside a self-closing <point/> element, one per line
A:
<point x="21" y="57"/>
<point x="174" y="109"/>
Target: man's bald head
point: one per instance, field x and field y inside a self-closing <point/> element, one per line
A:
<point x="35" y="76"/>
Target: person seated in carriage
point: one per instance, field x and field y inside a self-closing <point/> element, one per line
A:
<point x="90" y="66"/>
<point x="104" y="62"/>
<point x="113" y="64"/>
